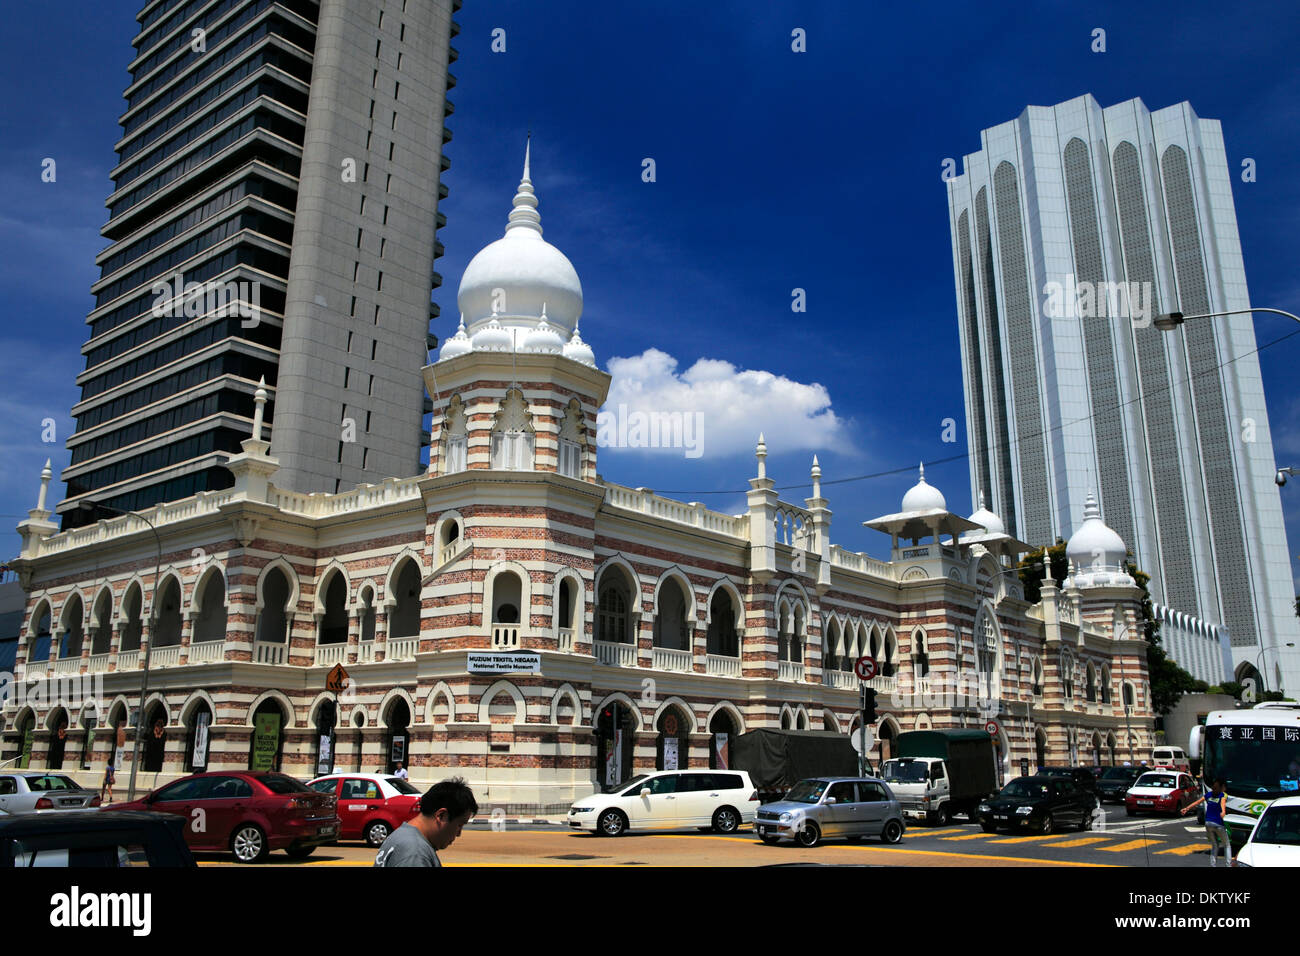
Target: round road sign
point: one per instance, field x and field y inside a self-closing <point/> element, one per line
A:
<point x="992" y="728"/>
<point x="865" y="668"/>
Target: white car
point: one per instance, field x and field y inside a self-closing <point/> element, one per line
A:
<point x="670" y="800"/>
<point x="1275" y="841"/>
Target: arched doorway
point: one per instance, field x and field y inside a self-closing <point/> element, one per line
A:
<point x="358" y="739"/>
<point x="155" y="738"/>
<point x="326" y="720"/>
<point x="615" y="740"/>
<point x="58" y="726"/>
<point x="397" y="718"/>
<point x="404" y="618"/>
<point x="89" y="722"/>
<point x="334" y="620"/>
<point x="722" y="731"/>
<point x="273" y="619"/>
<point x="210" y="625"/>
<point x="26" y="736"/>
<point x="1040" y="748"/>
<point x="267" y="746"/>
<point x="888" y="736"/>
<point x="198" y="729"/>
<point x="672" y="746"/>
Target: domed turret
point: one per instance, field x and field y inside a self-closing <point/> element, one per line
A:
<point x="492" y="337"/>
<point x="543" y="338"/>
<point x="579" y="350"/>
<point x="513" y="278"/>
<point x="924" y="497"/>
<point x="1096" y="552"/>
<point x="458" y="344"/>
<point x="991" y="522"/>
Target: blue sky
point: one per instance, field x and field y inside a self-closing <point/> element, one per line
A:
<point x="775" y="170"/>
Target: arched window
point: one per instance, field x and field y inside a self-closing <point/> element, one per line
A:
<point x="507" y="598"/>
<point x="1038" y="677"/>
<point x="404" y="617"/>
<point x="672" y="747"/>
<point x="132" y="625"/>
<point x="722" y="732"/>
<point x="1091" y="680"/>
<point x="566" y="603"/>
<point x="155" y="738"/>
<point x="920" y="654"/>
<point x="198" y="734"/>
<point x="367" y="614"/>
<point x="210" y="625"/>
<point x="334" y="622"/>
<point x="615" y="731"/>
<point x="784" y="623"/>
<point x="1105" y="684"/>
<point x="670" y="630"/>
<point x="613" y="614"/>
<point x="71" y="630"/>
<point x="89" y="722"/>
<point x="830" y="640"/>
<point x="41" y="647"/>
<point x="273" y="621"/>
<point x="1067" y="676"/>
<point x="101" y="638"/>
<point x="397" y="718"/>
<point x="167" y="629"/>
<point x="1040" y="747"/>
<point x="572" y="439"/>
<point x="512" y="435"/>
<point x="456" y="438"/>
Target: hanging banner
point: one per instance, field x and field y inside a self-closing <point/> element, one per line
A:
<point x="325" y="764"/>
<point x="613" y="758"/>
<point x="266" y="741"/>
<point x="27" y="745"/>
<point x="720" y="750"/>
<point x="670" y="753"/>
<point x="398" y="751"/>
<point x="200" y="755"/>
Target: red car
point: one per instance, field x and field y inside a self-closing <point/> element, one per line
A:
<point x="1161" y="791"/>
<point x="370" y="805"/>
<point x="248" y="812"/>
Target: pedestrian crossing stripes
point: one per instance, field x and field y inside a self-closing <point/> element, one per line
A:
<point x="1183" y="850"/>
<point x="1131" y="845"/>
<point x="1082" y="841"/>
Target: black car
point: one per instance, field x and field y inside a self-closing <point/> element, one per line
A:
<point x="1083" y="778"/>
<point x="1114" y="783"/>
<point x="90" y="838"/>
<point x="1040" y="804"/>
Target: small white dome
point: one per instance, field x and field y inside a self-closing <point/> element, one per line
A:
<point x="579" y="350"/>
<point x="513" y="278"/>
<point x="492" y="338"/>
<point x="458" y="344"/>
<point x="990" y="521"/>
<point x="543" y="338"/>
<point x="924" y="497"/>
<point x="1095" y="546"/>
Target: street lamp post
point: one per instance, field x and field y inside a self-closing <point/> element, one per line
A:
<point x="90" y="507"/>
<point x="1259" y="660"/>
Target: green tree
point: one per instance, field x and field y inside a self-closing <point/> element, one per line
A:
<point x="1169" y="682"/>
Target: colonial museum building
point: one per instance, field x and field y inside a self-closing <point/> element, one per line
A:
<point x="511" y="617"/>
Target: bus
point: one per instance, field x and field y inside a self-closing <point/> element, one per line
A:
<point x="1256" y="752"/>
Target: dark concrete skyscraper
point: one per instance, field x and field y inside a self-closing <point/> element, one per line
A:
<point x="273" y="215"/>
<point x="1072" y="227"/>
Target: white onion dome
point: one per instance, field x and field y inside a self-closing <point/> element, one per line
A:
<point x="924" y="497"/>
<point x="990" y="521"/>
<point x="543" y="338"/>
<point x="579" y="350"/>
<point x="458" y="344"/>
<point x="1095" y="546"/>
<point x="515" y="276"/>
<point x="492" y="337"/>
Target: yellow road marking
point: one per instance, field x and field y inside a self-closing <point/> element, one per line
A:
<point x="1029" y="839"/>
<point x="929" y="832"/>
<point x="1183" y="850"/>
<point x="1082" y="841"/>
<point x="1131" y="845"/>
<point x="970" y="836"/>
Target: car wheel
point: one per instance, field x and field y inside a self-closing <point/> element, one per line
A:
<point x="611" y="823"/>
<point x="988" y="828"/>
<point x="248" y="843"/>
<point x="298" y="852"/>
<point x="939" y="818"/>
<point x="726" y="820"/>
<point x="1047" y="825"/>
<point x="809" y="835"/>
<point x="892" y="832"/>
<point x="377" y="833"/>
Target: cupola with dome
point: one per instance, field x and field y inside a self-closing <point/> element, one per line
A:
<point x="1097" y="554"/>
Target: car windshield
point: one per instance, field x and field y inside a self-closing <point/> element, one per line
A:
<point x="50" y="782"/>
<point x="401" y="786"/>
<point x="1279" y="825"/>
<point x="807" y="791"/>
<point x="1024" y="788"/>
<point x="1258" y="762"/>
<point x="633" y="785"/>
<point x="904" y="771"/>
<point x="1117" y="773"/>
<point x="1157" y="781"/>
<point x="279" y="783"/>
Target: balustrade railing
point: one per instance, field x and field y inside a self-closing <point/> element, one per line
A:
<point x="789" y="670"/>
<point x="505" y="637"/>
<point x="721" y="665"/>
<point x="207" y="651"/>
<point x="617" y="655"/>
<point x="331" y="653"/>
<point x="402" y="648"/>
<point x="267" y="652"/>
<point x="566" y="639"/>
<point x="669" y="659"/>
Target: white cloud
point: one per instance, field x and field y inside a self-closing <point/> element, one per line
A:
<point x="721" y="409"/>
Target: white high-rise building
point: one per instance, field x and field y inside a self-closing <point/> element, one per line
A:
<point x="1072" y="227"/>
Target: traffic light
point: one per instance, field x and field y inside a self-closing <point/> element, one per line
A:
<point x="869" y="714"/>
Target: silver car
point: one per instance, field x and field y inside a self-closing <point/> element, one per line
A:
<point x="831" y="808"/>
<point x="30" y="791"/>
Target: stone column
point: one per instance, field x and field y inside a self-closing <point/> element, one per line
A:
<point x="114" y="644"/>
<point x="381" y="632"/>
<point x="354" y="637"/>
<point x="187" y="635"/>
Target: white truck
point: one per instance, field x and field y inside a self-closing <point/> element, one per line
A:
<point x="938" y="773"/>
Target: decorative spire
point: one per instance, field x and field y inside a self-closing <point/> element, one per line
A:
<point x="524" y="215"/>
<point x="760" y="452"/>
<point x="46" y="475"/>
<point x="1090" y="507"/>
<point x="259" y="399"/>
<point x="922" y="471"/>
<point x="982" y="499"/>
<point x="816" y="478"/>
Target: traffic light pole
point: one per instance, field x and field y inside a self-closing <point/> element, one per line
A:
<point x="862" y="753"/>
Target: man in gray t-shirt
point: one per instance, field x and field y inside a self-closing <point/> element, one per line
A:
<point x="444" y="810"/>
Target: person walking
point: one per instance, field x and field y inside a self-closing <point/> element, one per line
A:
<point x="444" y="810"/>
<point x="1216" y="805"/>
<point x="110" y="778"/>
<point x="401" y="771"/>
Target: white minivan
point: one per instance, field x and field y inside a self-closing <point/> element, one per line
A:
<point x="1172" y="757"/>
<point x="670" y="800"/>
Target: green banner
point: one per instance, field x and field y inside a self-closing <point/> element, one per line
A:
<point x="28" y="732"/>
<point x="266" y="741"/>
